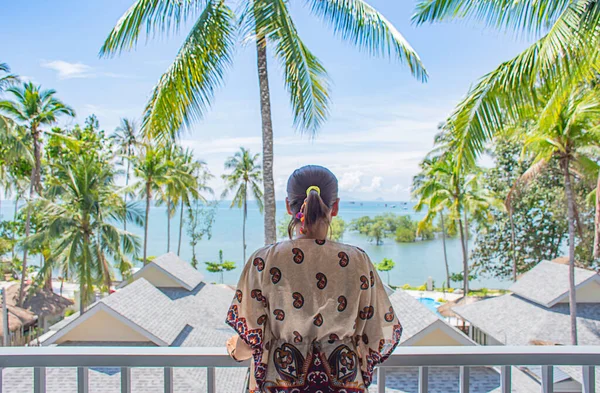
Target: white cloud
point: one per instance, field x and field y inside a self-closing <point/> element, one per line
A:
<point x="68" y="70"/>
<point x="350" y="181"/>
<point x="375" y="185"/>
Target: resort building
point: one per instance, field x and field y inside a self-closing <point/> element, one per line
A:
<point x="536" y="312"/>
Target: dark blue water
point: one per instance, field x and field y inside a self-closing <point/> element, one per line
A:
<point x="415" y="262"/>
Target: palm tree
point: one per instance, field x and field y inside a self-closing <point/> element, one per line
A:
<point x="180" y="183"/>
<point x="562" y="127"/>
<point x="186" y="90"/>
<point x="152" y="172"/>
<point x="78" y="213"/>
<point x="566" y="54"/>
<point x="33" y="108"/>
<point x="186" y="194"/>
<point x="442" y="185"/>
<point x="245" y="173"/>
<point x="125" y="137"/>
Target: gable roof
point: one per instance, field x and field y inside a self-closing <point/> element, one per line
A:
<point x="512" y="320"/>
<point x="417" y="320"/>
<point x="548" y="282"/>
<point x="140" y="306"/>
<point x="173" y="267"/>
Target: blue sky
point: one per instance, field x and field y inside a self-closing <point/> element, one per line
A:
<point x="382" y="120"/>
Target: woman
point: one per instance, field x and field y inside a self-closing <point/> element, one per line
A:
<point x="313" y="314"/>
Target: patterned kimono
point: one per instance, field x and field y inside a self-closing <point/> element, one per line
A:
<point x="316" y="316"/>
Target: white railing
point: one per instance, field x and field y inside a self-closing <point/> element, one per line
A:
<point x="504" y="357"/>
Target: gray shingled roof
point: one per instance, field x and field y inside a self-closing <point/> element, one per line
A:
<point x="547" y="282"/>
<point x="146" y="306"/>
<point x="513" y="320"/>
<point x="413" y="315"/>
<point x="179" y="269"/>
<point x="201" y="325"/>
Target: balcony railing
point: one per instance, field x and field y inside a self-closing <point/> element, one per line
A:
<point x="125" y="358"/>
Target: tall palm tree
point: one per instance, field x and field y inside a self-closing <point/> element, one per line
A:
<point x="245" y="176"/>
<point x="185" y="91"/>
<point x="180" y="182"/>
<point x="126" y="138"/>
<point x="33" y="108"/>
<point x="562" y="127"/>
<point x="152" y="172"/>
<point x="201" y="175"/>
<point x="79" y="212"/>
<point x="427" y="176"/>
<point x="443" y="185"/>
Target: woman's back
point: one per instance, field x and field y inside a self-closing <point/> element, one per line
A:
<point x="313" y="313"/>
<point x="319" y="313"/>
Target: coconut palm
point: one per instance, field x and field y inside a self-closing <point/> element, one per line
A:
<point x="185" y="91"/>
<point x="126" y="139"/>
<point x="33" y="108"/>
<point x="244" y="177"/>
<point x="78" y="216"/>
<point x="180" y="183"/>
<point x="417" y="191"/>
<point x="565" y="54"/>
<point x="191" y="191"/>
<point x="562" y="127"/>
<point x="152" y="171"/>
<point x="444" y="186"/>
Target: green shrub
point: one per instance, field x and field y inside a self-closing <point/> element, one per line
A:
<point x="422" y="288"/>
<point x="450" y="290"/>
<point x="406" y="286"/>
<point x="440" y="300"/>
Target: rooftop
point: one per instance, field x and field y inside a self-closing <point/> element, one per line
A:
<point x="548" y="282"/>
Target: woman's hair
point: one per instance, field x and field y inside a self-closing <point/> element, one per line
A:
<point x="318" y="203"/>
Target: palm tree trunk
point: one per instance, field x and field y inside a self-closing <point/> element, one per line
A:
<point x="467" y="233"/>
<point x="125" y="196"/>
<point x="445" y="251"/>
<point x="244" y="225"/>
<point x="571" y="216"/>
<point x="15" y="219"/>
<point x="27" y="233"/>
<point x="168" y="224"/>
<point x="465" y="259"/>
<point x="267" y="136"/>
<point x="597" y="220"/>
<point x="180" y="227"/>
<point x="148" y="197"/>
<point x="82" y="296"/>
<point x="513" y="244"/>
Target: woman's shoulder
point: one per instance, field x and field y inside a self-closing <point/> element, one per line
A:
<point x="286" y="245"/>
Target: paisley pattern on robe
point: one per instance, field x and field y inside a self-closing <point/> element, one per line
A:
<point x="310" y="330"/>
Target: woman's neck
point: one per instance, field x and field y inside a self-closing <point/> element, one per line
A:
<point x="318" y="232"/>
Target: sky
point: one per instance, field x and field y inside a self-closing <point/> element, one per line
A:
<point x="382" y="120"/>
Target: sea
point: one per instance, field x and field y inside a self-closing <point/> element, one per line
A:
<point x="415" y="262"/>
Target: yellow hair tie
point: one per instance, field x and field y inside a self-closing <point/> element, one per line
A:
<point x="309" y="189"/>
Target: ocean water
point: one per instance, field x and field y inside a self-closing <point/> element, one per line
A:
<point x="415" y="262"/>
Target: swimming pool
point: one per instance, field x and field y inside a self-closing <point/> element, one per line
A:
<point x="430" y="304"/>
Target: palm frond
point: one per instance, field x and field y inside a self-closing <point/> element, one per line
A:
<point x="361" y="24"/>
<point x="304" y="76"/>
<point x="184" y="92"/>
<point x="157" y="16"/>
<point x="528" y="15"/>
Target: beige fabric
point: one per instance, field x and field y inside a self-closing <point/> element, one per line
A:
<point x="316" y="315"/>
